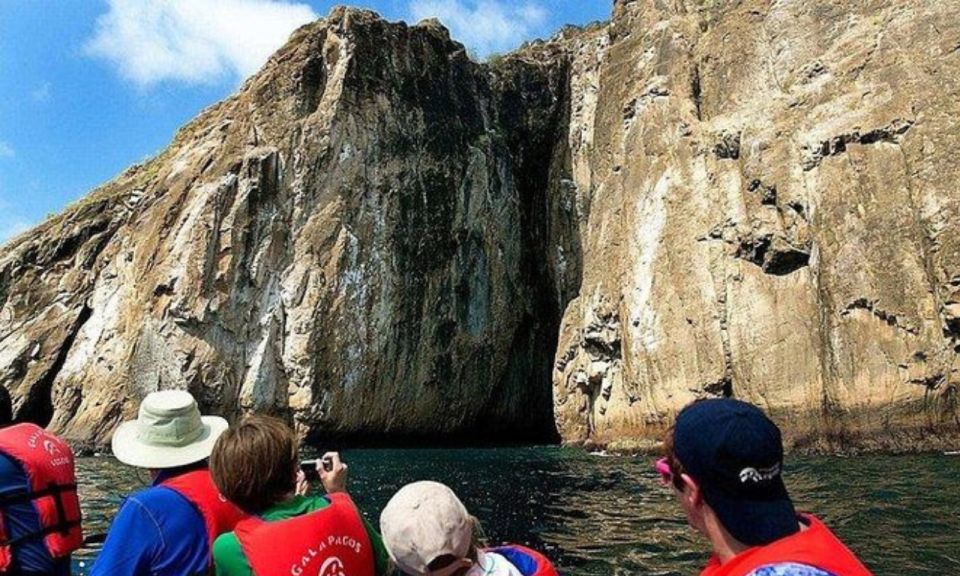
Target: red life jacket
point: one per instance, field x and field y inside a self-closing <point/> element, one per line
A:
<point x="48" y="464"/>
<point x="816" y="546"/>
<point x="219" y="515"/>
<point x="529" y="562"/>
<point x="328" y="542"/>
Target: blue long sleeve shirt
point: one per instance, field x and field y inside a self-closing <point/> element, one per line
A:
<point x="157" y="532"/>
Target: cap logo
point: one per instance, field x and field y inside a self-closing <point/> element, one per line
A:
<point x="757" y="475"/>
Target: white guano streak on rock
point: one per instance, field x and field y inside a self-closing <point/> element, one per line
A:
<point x="652" y="220"/>
<point x="261" y="381"/>
<point x="106" y="305"/>
<point x="353" y="288"/>
<point x="336" y="76"/>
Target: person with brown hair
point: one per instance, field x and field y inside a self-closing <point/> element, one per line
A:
<point x="724" y="461"/>
<point x="256" y="466"/>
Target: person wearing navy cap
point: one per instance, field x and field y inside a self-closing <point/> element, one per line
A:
<point x="724" y="460"/>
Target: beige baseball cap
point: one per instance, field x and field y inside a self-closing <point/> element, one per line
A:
<point x="422" y="522"/>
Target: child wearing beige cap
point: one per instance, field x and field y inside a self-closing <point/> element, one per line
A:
<point x="428" y="532"/>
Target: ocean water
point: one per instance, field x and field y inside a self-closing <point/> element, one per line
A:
<point x="609" y="515"/>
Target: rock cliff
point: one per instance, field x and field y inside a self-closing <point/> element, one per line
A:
<point x="772" y="214"/>
<point x="385" y="240"/>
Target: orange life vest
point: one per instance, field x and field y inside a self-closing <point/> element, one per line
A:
<point x="48" y="464"/>
<point x="816" y="546"/>
<point x="328" y="542"/>
<point x="219" y="515"/>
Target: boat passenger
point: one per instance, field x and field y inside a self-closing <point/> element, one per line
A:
<point x="39" y="508"/>
<point x="724" y="460"/>
<point x="256" y="465"/>
<point x="167" y="529"/>
<point x="429" y="532"/>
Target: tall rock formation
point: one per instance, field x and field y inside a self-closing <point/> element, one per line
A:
<point x="773" y="215"/>
<point x="342" y="241"/>
<point x="385" y="240"/>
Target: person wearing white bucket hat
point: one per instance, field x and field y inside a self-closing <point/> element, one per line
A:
<point x="167" y="529"/>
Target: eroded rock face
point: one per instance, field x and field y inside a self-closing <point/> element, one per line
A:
<point x="382" y="239"/>
<point x="343" y="241"/>
<point x="771" y="218"/>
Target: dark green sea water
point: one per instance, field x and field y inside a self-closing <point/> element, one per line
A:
<point x="598" y="515"/>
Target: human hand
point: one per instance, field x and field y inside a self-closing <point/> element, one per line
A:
<point x="335" y="479"/>
<point x="303" y="487"/>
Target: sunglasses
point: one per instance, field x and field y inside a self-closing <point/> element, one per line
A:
<point x="663" y="469"/>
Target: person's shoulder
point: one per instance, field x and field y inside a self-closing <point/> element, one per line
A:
<point x="492" y="563"/>
<point x="789" y="569"/>
<point x="226" y="545"/>
<point x="157" y="499"/>
<point x="152" y="493"/>
<point x="316" y="501"/>
<point x="229" y="558"/>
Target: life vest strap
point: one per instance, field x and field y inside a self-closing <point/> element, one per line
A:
<point x="58" y="527"/>
<point x="61" y="510"/>
<point x="22" y="496"/>
<point x="63" y="525"/>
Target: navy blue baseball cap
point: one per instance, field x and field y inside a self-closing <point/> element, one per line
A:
<point x="735" y="453"/>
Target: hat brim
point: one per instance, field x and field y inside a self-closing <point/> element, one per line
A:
<point x="130" y="449"/>
<point x="755" y="522"/>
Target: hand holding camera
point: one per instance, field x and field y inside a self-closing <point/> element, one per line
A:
<point x="333" y="473"/>
<point x="329" y="470"/>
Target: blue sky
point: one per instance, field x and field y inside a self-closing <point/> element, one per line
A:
<point x="89" y="87"/>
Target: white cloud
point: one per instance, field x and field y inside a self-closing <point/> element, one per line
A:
<point x="193" y="41"/>
<point x="485" y="26"/>
<point x="6" y="150"/>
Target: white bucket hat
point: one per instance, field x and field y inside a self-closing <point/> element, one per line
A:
<point x="422" y="522"/>
<point x="168" y="432"/>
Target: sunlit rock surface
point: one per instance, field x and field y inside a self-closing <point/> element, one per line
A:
<point x="772" y="214"/>
<point x="384" y="240"/>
